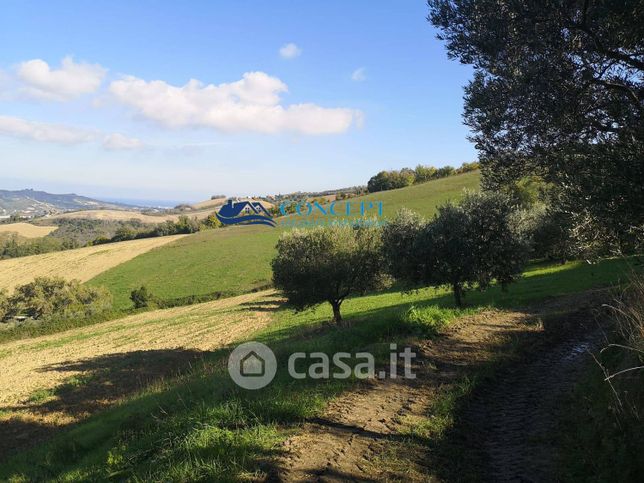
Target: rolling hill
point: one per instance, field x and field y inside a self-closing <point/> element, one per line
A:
<point x="33" y="203"/>
<point x="236" y="260"/>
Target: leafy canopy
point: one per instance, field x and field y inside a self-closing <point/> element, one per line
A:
<point x="327" y="264"/>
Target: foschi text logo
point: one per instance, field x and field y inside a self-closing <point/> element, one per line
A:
<point x="255" y="213"/>
<point x="253" y="365"/>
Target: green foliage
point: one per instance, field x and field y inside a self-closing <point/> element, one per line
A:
<point x="548" y="232"/>
<point x="424" y="173"/>
<point x="327" y="264"/>
<point x="430" y="320"/>
<point x="12" y="248"/>
<point x="57" y="298"/>
<point x="212" y="222"/>
<point x="399" y="244"/>
<point x="557" y="93"/>
<point x="142" y="298"/>
<point x="389" y="180"/>
<point x="467" y="244"/>
<point x="236" y="260"/>
<point x="216" y="432"/>
<point x="603" y="432"/>
<point x="4" y="305"/>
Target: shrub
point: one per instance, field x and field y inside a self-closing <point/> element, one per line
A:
<point x="445" y="171"/>
<point x="4" y="305"/>
<point x="143" y="298"/>
<point x="187" y="225"/>
<point x="57" y="298"/>
<point x="548" y="231"/>
<point x="327" y="264"/>
<point x="424" y="173"/>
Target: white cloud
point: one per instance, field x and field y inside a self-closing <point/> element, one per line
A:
<point x="70" y="80"/>
<point x="290" y="51"/>
<point x="358" y="75"/>
<point x="37" y="131"/>
<point x="250" y="104"/>
<point x="116" y="141"/>
<point x="61" y="134"/>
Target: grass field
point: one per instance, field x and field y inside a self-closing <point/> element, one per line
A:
<point x="236" y="260"/>
<point x="81" y="264"/>
<point x="201" y="426"/>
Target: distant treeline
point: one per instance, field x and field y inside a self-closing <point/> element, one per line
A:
<point x="390" y="180"/>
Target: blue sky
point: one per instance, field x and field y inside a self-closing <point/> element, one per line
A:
<point x="95" y="96"/>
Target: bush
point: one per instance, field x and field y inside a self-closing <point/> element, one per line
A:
<point x="57" y="298"/>
<point x="327" y="264"/>
<point x="143" y="298"/>
<point x="4" y="305"/>
<point x="389" y="180"/>
<point x="549" y="232"/>
<point x="12" y="248"/>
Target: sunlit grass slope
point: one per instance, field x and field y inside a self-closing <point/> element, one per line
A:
<point x="236" y="260"/>
<point x="204" y="428"/>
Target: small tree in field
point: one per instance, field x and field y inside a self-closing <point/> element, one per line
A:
<point x="327" y="264"/>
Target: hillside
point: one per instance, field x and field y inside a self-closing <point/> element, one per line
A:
<point x="236" y="260"/>
<point x="26" y="230"/>
<point x="81" y="263"/>
<point x="33" y="203"/>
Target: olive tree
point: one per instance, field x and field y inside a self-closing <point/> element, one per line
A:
<point x="469" y="244"/>
<point x="558" y="92"/>
<point x="327" y="264"/>
<point x="400" y="246"/>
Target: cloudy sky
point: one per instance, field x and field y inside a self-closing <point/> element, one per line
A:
<point x="181" y="100"/>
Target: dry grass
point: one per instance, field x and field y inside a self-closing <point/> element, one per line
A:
<point x="209" y="204"/>
<point x="122" y="215"/>
<point x="82" y="263"/>
<point x="49" y="382"/>
<point x="26" y="230"/>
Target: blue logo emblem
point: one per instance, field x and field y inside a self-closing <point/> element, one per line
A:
<point x="244" y="213"/>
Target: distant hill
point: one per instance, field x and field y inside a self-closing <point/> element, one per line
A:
<point x="32" y="203"/>
<point x="236" y="260"/>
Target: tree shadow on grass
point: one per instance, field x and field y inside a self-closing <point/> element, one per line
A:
<point x="93" y="385"/>
<point x="284" y="402"/>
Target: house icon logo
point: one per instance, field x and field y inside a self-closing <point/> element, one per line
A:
<point x="252" y="365"/>
<point x="244" y="213"/>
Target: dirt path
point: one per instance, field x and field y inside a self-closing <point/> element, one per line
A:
<point x="513" y="419"/>
<point x="354" y="433"/>
<point x="51" y="381"/>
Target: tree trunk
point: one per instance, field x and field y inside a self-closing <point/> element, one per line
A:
<point x="458" y="294"/>
<point x="337" y="318"/>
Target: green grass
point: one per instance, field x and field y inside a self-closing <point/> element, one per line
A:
<point x="598" y="440"/>
<point x="202" y="427"/>
<point x="425" y="198"/>
<point x="236" y="260"/>
<point x="229" y="261"/>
